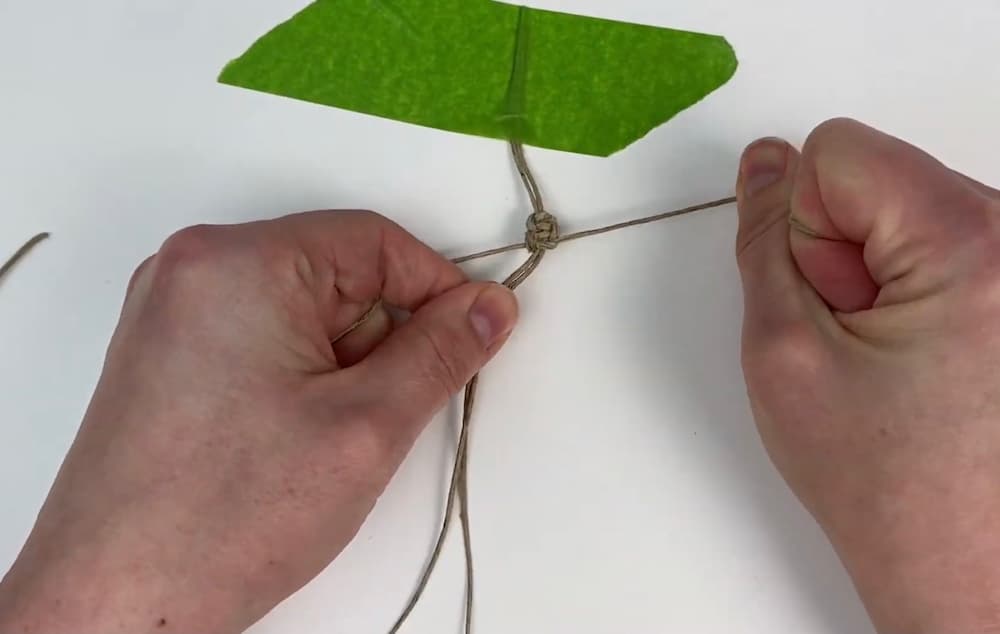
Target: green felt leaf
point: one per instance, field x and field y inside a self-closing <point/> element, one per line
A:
<point x="547" y="79"/>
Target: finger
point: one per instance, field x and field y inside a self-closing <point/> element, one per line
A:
<point x="835" y="268"/>
<point x="429" y="358"/>
<point x="774" y="292"/>
<point x="359" y="340"/>
<point x="875" y="211"/>
<point x="983" y="188"/>
<point x="354" y="258"/>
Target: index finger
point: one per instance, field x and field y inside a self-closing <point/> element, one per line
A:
<point x="356" y="258"/>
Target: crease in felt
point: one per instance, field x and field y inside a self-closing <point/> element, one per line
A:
<point x="513" y="113"/>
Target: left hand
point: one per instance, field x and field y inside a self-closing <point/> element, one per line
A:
<point x="230" y="451"/>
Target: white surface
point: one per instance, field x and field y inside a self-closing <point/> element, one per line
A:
<point x="617" y="482"/>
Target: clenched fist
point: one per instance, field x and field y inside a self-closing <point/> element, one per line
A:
<point x="872" y="354"/>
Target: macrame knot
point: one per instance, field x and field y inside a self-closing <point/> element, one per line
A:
<point x="543" y="232"/>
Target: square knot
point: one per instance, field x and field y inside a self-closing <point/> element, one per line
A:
<point x="542" y="233"/>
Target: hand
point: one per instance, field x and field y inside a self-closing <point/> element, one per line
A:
<point x="871" y="341"/>
<point x="230" y="452"/>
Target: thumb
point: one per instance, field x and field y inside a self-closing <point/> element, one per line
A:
<point x="431" y="357"/>
<point x="775" y="294"/>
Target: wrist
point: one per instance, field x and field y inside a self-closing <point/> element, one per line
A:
<point x="939" y="582"/>
<point x="922" y="603"/>
<point x="109" y="597"/>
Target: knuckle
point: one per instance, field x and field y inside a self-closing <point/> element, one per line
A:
<point x="832" y="128"/>
<point x="366" y="219"/>
<point x="185" y="257"/>
<point x="970" y="218"/>
<point x="190" y="242"/>
<point x="367" y="215"/>
<point x="372" y="222"/>
<point x="975" y="256"/>
<point x="779" y="356"/>
<point x="367" y="448"/>
<point x="365" y="435"/>
<point x="986" y="216"/>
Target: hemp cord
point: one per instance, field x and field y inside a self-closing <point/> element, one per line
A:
<point x="569" y="237"/>
<point x="541" y="235"/>
<point x="20" y="253"/>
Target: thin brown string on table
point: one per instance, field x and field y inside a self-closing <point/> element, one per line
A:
<point x="20" y="253"/>
<point x="542" y="235"/>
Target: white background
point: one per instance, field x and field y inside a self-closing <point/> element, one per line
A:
<point x="617" y="481"/>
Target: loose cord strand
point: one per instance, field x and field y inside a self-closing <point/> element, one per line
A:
<point x="542" y="234"/>
<point x="618" y="226"/>
<point x="21" y="253"/>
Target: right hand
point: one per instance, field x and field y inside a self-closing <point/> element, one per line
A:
<point x="871" y="351"/>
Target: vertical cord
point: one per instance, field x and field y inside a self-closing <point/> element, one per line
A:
<point x="541" y="235"/>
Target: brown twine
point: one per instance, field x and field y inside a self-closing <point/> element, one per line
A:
<point x="569" y="237"/>
<point x="20" y="254"/>
<point x="542" y="235"/>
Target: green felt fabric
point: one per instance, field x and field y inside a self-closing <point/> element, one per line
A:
<point x="547" y="79"/>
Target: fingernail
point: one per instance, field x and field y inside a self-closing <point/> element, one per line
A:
<point x="764" y="164"/>
<point x="493" y="314"/>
